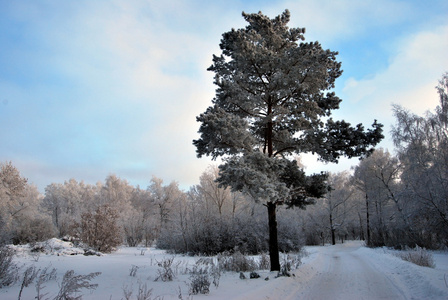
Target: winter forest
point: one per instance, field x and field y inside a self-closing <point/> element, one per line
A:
<point x="388" y="199"/>
<point x="396" y="198"/>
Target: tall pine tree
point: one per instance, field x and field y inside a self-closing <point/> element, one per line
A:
<point x="273" y="101"/>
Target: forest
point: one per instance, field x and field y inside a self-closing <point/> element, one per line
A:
<point x="389" y="199"/>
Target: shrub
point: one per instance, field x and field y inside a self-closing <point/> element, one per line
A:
<point x="418" y="256"/>
<point x="33" y="230"/>
<point x="264" y="263"/>
<point x="72" y="284"/>
<point x="199" y="281"/>
<point x="236" y="262"/>
<point x="133" y="231"/>
<point x="28" y="277"/>
<point x="5" y="233"/>
<point x="100" y="229"/>
<point x="290" y="238"/>
<point x="207" y="264"/>
<point x="8" y="269"/>
<point x="214" y="235"/>
<point x="165" y="270"/>
<point x="43" y="277"/>
<point x="143" y="293"/>
<point x="289" y="263"/>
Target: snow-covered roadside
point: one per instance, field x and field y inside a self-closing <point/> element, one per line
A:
<point x="416" y="282"/>
<point x="366" y="274"/>
<point x="410" y="281"/>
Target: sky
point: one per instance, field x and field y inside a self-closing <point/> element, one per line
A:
<point x="94" y="88"/>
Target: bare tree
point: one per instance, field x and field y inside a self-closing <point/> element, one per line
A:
<point x="422" y="146"/>
<point x="213" y="193"/>
<point x="337" y="202"/>
<point x="163" y="197"/>
<point x="12" y="188"/>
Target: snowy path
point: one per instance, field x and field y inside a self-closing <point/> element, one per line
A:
<point x="350" y="271"/>
<point x="344" y="274"/>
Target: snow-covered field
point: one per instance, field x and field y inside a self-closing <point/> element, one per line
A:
<point x="347" y="271"/>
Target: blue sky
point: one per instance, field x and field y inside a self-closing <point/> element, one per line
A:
<point x="92" y="88"/>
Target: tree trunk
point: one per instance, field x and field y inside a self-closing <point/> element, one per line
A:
<point x="367" y="221"/>
<point x="273" y="240"/>
<point x="333" y="233"/>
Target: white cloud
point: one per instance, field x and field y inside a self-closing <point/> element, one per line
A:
<point x="410" y="78"/>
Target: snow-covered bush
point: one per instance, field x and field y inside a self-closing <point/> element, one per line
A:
<point x="213" y="235"/>
<point x="8" y="269"/>
<point x="28" y="277"/>
<point x="100" y="229"/>
<point x="290" y="236"/>
<point x="199" y="281"/>
<point x="72" y="284"/>
<point x="288" y="263"/>
<point x="251" y="233"/>
<point x="236" y="262"/>
<point x="143" y="292"/>
<point x="5" y="233"/>
<point x="44" y="276"/>
<point x="133" y="229"/>
<point x="165" y="271"/>
<point x="264" y="262"/>
<point x="133" y="232"/>
<point x="31" y="230"/>
<point x="418" y="256"/>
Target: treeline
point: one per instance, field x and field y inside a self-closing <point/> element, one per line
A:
<point x="206" y="219"/>
<point x="393" y="200"/>
<point x="388" y="199"/>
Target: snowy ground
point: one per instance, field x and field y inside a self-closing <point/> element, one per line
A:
<point x="347" y="271"/>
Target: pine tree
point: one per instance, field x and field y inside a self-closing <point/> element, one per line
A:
<point x="271" y="104"/>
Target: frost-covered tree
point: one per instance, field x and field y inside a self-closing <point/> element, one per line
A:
<point x="374" y="196"/>
<point x="274" y="100"/>
<point x="422" y="146"/>
<point x="66" y="202"/>
<point x="386" y="205"/>
<point x="337" y="203"/>
<point x="145" y="219"/>
<point x="21" y="219"/>
<point x="214" y="195"/>
<point x="117" y="193"/>
<point x="164" y="198"/>
<point x="31" y="223"/>
<point x="12" y="188"/>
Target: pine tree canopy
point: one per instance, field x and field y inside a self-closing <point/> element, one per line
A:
<point x="274" y="100"/>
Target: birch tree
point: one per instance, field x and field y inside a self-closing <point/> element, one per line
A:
<point x="12" y="188"/>
<point x="274" y="100"/>
<point x="422" y="146"/>
<point x="337" y="202"/>
<point x="376" y="177"/>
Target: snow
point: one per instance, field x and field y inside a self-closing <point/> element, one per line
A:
<point x="52" y="246"/>
<point x="345" y="271"/>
